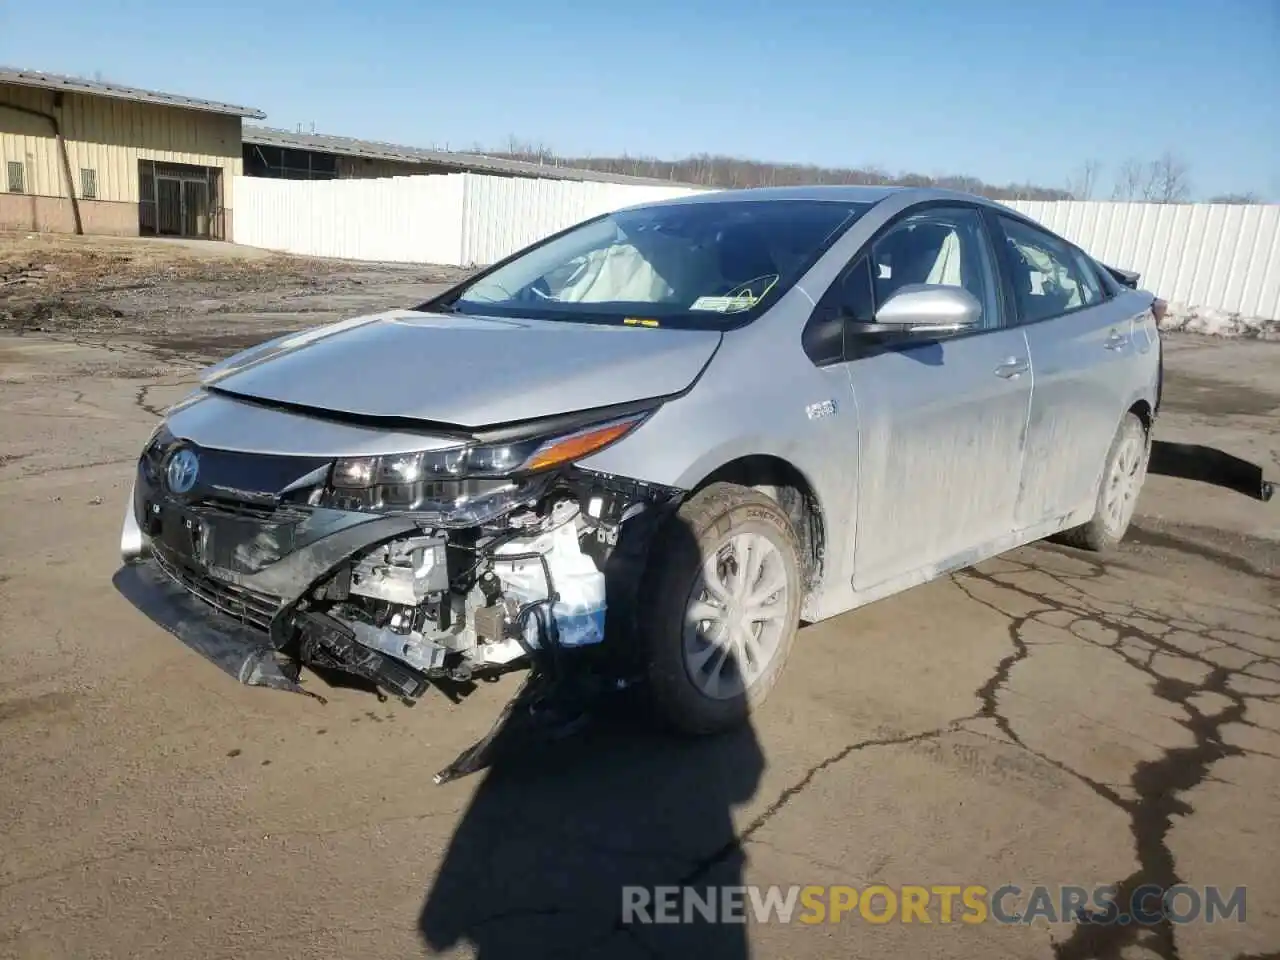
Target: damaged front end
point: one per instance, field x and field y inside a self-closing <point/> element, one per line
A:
<point x="466" y="560"/>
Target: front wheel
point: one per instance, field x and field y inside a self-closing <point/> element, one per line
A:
<point x="1122" y="479"/>
<point x="726" y="590"/>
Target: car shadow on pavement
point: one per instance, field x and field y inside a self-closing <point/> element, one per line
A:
<point x="539" y="861"/>
<point x="558" y="830"/>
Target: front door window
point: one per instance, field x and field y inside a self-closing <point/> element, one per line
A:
<point x="945" y="246"/>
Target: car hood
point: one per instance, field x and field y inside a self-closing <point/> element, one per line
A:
<point x="465" y="371"/>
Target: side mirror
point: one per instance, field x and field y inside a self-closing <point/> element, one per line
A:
<point x="925" y="309"/>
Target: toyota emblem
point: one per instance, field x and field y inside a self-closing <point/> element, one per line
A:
<point x="184" y="467"/>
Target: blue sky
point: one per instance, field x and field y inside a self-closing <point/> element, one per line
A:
<point x="1000" y="90"/>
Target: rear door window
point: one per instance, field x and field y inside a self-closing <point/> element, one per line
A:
<point x="1050" y="278"/>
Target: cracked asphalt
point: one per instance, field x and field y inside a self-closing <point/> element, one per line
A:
<point x="1049" y="717"/>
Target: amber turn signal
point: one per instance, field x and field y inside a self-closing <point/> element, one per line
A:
<point x="578" y="445"/>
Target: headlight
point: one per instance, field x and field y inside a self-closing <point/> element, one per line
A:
<point x="467" y="483"/>
<point x="153" y="452"/>
<point x="492" y="460"/>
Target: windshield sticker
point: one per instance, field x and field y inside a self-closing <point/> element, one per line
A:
<point x="725" y="304"/>
<point x="639" y="322"/>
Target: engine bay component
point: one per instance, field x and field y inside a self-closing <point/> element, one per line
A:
<point x="550" y="569"/>
<point x="492" y="608"/>
<point x="411" y="647"/>
<point x="403" y="572"/>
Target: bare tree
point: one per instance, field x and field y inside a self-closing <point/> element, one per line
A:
<point x="722" y="171"/>
<point x="1130" y="180"/>
<point x="1084" y="181"/>
<point x="1163" y="180"/>
<point x="1167" y="180"/>
<point x="528" y="151"/>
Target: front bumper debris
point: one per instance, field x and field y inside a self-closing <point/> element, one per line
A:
<point x="263" y="588"/>
<point x="240" y="651"/>
<point x="1210" y="465"/>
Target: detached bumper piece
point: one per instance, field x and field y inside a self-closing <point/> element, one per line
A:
<point x="1191" y="461"/>
<point x="327" y="642"/>
<point x="539" y="711"/>
<point x="552" y="703"/>
<point x="237" y="649"/>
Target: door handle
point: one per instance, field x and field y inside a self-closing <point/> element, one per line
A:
<point x="1012" y="367"/>
<point x="1115" y="341"/>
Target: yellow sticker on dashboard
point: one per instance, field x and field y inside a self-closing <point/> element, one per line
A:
<point x="639" y="322"/>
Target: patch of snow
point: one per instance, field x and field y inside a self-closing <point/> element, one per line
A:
<point x="1183" y="318"/>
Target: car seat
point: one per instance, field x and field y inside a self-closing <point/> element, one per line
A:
<point x="911" y="254"/>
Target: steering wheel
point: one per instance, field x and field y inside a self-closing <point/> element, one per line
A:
<point x="541" y="288"/>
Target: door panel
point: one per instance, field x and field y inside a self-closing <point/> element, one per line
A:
<point x="942" y="429"/>
<point x="1079" y="342"/>
<point x="195" y="213"/>
<point x="1078" y="400"/>
<point x="169" y="204"/>
<point x="941" y="422"/>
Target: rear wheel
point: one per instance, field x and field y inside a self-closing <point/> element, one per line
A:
<point x="726" y="588"/>
<point x="1122" y="479"/>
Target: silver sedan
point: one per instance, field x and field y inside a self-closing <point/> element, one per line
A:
<point x="648" y="447"/>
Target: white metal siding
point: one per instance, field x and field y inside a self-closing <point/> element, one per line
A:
<point x="504" y="214"/>
<point x="401" y="220"/>
<point x="110" y="136"/>
<point x="1195" y="255"/>
<point x="458" y="218"/>
<point x="1225" y="257"/>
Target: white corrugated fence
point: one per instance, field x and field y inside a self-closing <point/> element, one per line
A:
<point x="398" y="220"/>
<point x="504" y="214"/>
<point x="1217" y="256"/>
<point x="456" y="218"/>
<point x="1211" y="257"/>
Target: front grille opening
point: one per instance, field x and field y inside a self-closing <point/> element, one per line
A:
<point x="248" y="607"/>
<point x="241" y="509"/>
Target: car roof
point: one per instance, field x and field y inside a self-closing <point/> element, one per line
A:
<point x="826" y="191"/>
<point x="838" y="193"/>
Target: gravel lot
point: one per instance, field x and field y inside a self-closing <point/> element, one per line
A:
<point x="1046" y="718"/>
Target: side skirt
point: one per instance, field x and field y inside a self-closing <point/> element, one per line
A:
<point x="843" y="598"/>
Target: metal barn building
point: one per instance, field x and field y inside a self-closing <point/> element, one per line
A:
<point x="282" y="154"/>
<point x="79" y="156"/>
<point x="83" y="156"/>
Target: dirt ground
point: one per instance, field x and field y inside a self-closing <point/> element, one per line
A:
<point x="1050" y="717"/>
<point x="184" y="299"/>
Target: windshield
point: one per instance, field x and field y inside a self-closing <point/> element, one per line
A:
<point x="696" y="265"/>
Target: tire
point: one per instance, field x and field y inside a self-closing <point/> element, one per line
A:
<point x="1128" y="457"/>
<point x="697" y="685"/>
